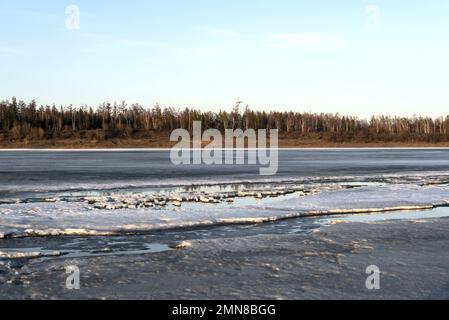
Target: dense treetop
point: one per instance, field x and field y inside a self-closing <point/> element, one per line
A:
<point x="20" y="120"/>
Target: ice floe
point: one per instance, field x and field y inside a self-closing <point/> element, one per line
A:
<point x="27" y="254"/>
<point x="81" y="218"/>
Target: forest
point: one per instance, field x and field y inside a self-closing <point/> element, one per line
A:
<point x="27" y="122"/>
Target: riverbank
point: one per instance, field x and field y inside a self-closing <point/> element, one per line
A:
<point x="327" y="263"/>
<point x="163" y="141"/>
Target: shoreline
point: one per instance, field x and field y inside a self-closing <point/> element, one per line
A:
<point x="163" y="143"/>
<point x="118" y="149"/>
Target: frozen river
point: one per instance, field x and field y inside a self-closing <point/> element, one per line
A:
<point x="123" y="205"/>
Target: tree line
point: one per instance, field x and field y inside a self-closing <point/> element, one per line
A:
<point x="28" y="121"/>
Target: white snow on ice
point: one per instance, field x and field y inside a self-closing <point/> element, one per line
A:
<point x="77" y="218"/>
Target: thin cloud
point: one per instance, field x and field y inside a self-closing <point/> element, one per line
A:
<point x="116" y="41"/>
<point x="6" y="52"/>
<point x="304" y="40"/>
<point x="27" y="14"/>
<point x="221" y="32"/>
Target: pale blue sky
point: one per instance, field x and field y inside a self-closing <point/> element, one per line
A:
<point x="320" y="56"/>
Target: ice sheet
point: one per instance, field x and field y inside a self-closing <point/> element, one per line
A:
<point x="78" y="218"/>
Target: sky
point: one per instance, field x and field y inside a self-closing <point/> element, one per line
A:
<point x="357" y="57"/>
